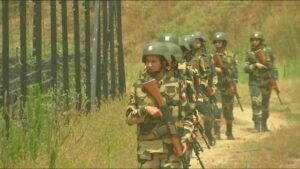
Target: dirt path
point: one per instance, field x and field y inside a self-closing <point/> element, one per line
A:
<point x="221" y="154"/>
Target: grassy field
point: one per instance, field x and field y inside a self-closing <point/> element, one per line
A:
<point x="102" y="139"/>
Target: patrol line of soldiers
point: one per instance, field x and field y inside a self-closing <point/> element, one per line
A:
<point x="183" y="87"/>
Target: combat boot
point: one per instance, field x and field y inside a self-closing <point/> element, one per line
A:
<point x="229" y="132"/>
<point x="264" y="126"/>
<point x="217" y="132"/>
<point x="257" y="125"/>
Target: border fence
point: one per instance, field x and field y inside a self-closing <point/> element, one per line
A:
<point x="49" y="43"/>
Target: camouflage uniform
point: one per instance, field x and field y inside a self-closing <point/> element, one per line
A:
<point x="155" y="148"/>
<point x="227" y="97"/>
<point x="188" y="72"/>
<point x="180" y="72"/>
<point x="201" y="64"/>
<point x="259" y="85"/>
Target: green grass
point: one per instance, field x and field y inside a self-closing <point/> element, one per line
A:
<point x="32" y="133"/>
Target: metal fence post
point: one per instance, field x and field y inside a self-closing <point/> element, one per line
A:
<point x="121" y="67"/>
<point x="5" y="63"/>
<point x="94" y="54"/>
<point x="99" y="66"/>
<point x="64" y="21"/>
<point x="37" y="40"/>
<point x="23" y="71"/>
<point x="53" y="42"/>
<point x="88" y="54"/>
<point x="77" y="54"/>
<point x="112" y="49"/>
<point x="105" y="51"/>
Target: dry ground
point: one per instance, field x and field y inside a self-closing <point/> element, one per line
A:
<point x="222" y="153"/>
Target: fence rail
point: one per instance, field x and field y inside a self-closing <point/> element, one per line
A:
<point x="43" y="33"/>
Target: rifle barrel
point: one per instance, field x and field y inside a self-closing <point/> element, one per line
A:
<point x="201" y="129"/>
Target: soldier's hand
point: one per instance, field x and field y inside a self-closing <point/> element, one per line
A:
<point x="260" y="66"/>
<point x="218" y="70"/>
<point x="153" y="111"/>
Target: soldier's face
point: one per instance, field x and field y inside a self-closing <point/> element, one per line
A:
<point x="198" y="43"/>
<point x="218" y="44"/>
<point x="255" y="43"/>
<point x="153" y="63"/>
<point x="186" y="53"/>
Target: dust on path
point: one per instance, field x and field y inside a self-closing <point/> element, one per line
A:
<point x="221" y="153"/>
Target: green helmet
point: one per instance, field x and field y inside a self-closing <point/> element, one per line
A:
<point x="257" y="35"/>
<point x="175" y="52"/>
<point x="189" y="40"/>
<point x="199" y="35"/>
<point x="169" y="37"/>
<point x="183" y="43"/>
<point x="157" y="48"/>
<point x="220" y="36"/>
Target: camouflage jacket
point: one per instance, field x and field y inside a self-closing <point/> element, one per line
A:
<point x="152" y="133"/>
<point x="230" y="65"/>
<point x="260" y="76"/>
<point x="208" y="76"/>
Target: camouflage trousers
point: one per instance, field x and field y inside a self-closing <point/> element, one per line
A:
<point x="218" y="109"/>
<point x="225" y="105"/>
<point x="260" y="97"/>
<point x="159" y="160"/>
<point x="205" y="109"/>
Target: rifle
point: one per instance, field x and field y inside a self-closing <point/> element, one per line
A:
<point x="197" y="148"/>
<point x="262" y="59"/>
<point x="152" y="89"/>
<point x="226" y="76"/>
<point x="207" y="91"/>
<point x="201" y="131"/>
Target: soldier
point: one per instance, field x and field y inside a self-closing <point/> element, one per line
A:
<point x="201" y="65"/>
<point x="259" y="79"/>
<point x="155" y="144"/>
<point x="178" y="70"/>
<point x="190" y="41"/>
<point x="226" y="68"/>
<point x="185" y="47"/>
<point x="172" y="43"/>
